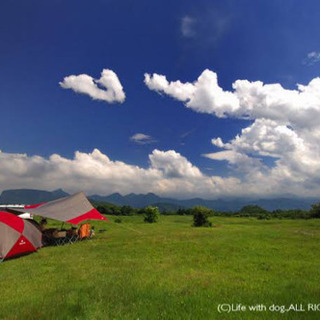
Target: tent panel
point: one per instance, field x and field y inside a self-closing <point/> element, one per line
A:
<point x="23" y="245"/>
<point x="33" y="234"/>
<point x="8" y="237"/>
<point x="91" y="215"/>
<point x="11" y="220"/>
<point x="64" y="209"/>
<point x="67" y="209"/>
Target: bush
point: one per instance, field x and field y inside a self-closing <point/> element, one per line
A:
<point x="151" y="214"/>
<point x="102" y="209"/>
<point x="252" y="210"/>
<point x="201" y="216"/>
<point x="118" y="220"/>
<point x="264" y="217"/>
<point x="315" y="211"/>
<point x="127" y="211"/>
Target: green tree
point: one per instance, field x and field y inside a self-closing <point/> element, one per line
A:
<point x="127" y="210"/>
<point x="315" y="211"/>
<point x="151" y="214"/>
<point x="252" y="210"/>
<point x="201" y="216"/>
<point x="102" y="209"/>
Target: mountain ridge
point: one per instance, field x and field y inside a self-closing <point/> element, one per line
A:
<point x="32" y="196"/>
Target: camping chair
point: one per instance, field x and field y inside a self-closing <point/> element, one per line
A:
<point x="73" y="235"/>
<point x="84" y="231"/>
<point x="59" y="237"/>
<point x="48" y="238"/>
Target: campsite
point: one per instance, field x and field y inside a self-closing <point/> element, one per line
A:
<point x="160" y="160"/>
<point x="167" y="270"/>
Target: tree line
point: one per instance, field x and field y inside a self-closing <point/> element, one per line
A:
<point x="246" y="211"/>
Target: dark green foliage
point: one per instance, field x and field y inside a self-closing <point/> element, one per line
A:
<point x="102" y="209"/>
<point x="151" y="214"/>
<point x="127" y="211"/>
<point x="291" y="214"/>
<point x="112" y="209"/>
<point x="118" y="220"/>
<point x="141" y="211"/>
<point x="264" y="217"/>
<point x="201" y="216"/>
<point x="252" y="210"/>
<point x="315" y="211"/>
<point x="168" y="213"/>
<point x="247" y="211"/>
<point x="166" y="208"/>
<point x="185" y="212"/>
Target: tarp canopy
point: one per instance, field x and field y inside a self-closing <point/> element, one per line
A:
<point x="17" y="236"/>
<point x="72" y="209"/>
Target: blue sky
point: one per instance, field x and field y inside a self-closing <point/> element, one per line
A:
<point x="42" y="42"/>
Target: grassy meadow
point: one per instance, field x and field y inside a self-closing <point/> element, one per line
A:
<point x="168" y="270"/>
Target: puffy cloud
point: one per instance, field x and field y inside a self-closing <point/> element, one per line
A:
<point x="240" y="161"/>
<point x="169" y="173"/>
<point x="108" y="88"/>
<point x="204" y="95"/>
<point x="264" y="137"/>
<point x="141" y="138"/>
<point x="173" y="165"/>
<point x="252" y="100"/>
<point x="285" y="127"/>
<point x="92" y="172"/>
<point x="178" y="90"/>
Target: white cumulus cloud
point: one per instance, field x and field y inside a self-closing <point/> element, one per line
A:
<point x="173" y="165"/>
<point x="107" y="88"/>
<point x="169" y="173"/>
<point x="250" y="100"/>
<point x="285" y="126"/>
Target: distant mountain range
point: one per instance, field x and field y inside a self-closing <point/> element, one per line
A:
<point x="29" y="196"/>
<point x="142" y="200"/>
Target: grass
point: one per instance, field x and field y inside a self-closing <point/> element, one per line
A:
<point x="169" y="270"/>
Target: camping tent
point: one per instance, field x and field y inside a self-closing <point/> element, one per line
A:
<point x="17" y="236"/>
<point x="72" y="209"/>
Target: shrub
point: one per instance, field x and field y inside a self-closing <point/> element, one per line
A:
<point x="118" y="220"/>
<point x="264" y="217"/>
<point x="315" y="211"/>
<point x="127" y="211"/>
<point x="151" y="214"/>
<point x="102" y="209"/>
<point x="201" y="216"/>
<point x="252" y="210"/>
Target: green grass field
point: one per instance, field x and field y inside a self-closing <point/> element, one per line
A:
<point x="169" y="270"/>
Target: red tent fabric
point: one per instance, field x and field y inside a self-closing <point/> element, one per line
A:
<point x="72" y="209"/>
<point x="17" y="236"/>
